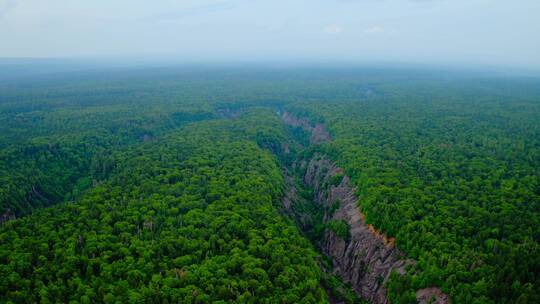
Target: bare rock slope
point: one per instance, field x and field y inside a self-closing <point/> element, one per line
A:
<point x="368" y="257"/>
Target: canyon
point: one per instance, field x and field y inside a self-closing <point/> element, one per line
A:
<point x="365" y="258"/>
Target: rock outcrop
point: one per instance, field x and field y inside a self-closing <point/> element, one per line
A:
<point x="365" y="259"/>
<point x="317" y="131"/>
<point x="368" y="257"/>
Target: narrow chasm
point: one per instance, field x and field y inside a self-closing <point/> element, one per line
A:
<point x="321" y="199"/>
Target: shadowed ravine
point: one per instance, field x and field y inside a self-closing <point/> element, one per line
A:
<point x="366" y="257"/>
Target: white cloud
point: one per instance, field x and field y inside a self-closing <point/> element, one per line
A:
<point x="333" y="29"/>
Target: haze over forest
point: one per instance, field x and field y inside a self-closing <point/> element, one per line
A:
<point x="235" y="151"/>
<point x="458" y="32"/>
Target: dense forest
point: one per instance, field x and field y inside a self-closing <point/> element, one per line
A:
<point x="165" y="184"/>
<point x="454" y="180"/>
<point x="188" y="218"/>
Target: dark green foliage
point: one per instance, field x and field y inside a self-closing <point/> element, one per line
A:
<point x="336" y="179"/>
<point x="340" y="228"/>
<point x="333" y="208"/>
<point x="308" y="214"/>
<point x="452" y="172"/>
<point x="173" y="189"/>
<point x="400" y="289"/>
<point x="190" y="219"/>
<point x="338" y="291"/>
<point x="39" y="171"/>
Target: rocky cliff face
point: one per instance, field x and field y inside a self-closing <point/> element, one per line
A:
<point x="366" y="258"/>
<point x="318" y="131"/>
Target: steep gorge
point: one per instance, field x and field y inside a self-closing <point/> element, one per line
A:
<point x="363" y="256"/>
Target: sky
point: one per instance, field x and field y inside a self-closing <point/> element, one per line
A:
<point x="482" y="32"/>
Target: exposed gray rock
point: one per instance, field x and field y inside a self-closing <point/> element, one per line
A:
<point x="367" y="259"/>
<point x="318" y="131"/>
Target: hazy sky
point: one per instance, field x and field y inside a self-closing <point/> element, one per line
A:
<point x="504" y="32"/>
